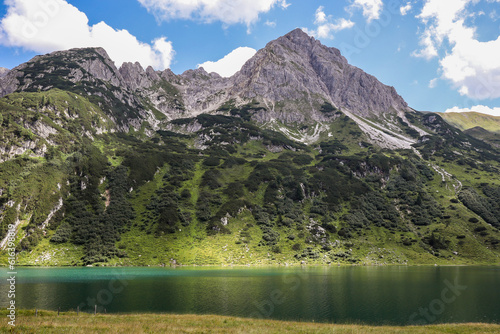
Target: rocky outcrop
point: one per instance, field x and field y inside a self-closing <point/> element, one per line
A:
<point x="202" y="91"/>
<point x="9" y="82"/>
<point x="93" y="65"/>
<point x="135" y="78"/>
<point x="9" y="151"/>
<point x="3" y="71"/>
<point x="40" y="129"/>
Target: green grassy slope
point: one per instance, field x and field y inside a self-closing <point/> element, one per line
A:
<point x="490" y="137"/>
<point x="234" y="193"/>
<point x="69" y="322"/>
<point x="469" y="120"/>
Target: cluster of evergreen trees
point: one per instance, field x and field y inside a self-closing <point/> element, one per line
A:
<point x="298" y="191"/>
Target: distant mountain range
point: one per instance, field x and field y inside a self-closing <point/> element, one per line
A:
<point x="477" y="125"/>
<point x="298" y="157"/>
<point x="468" y="120"/>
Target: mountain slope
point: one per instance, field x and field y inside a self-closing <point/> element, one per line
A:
<point x="493" y="138"/>
<point x="230" y="192"/>
<point x="129" y="95"/>
<point x="468" y="120"/>
<point x="3" y="71"/>
<point x="480" y="126"/>
<point x="296" y="65"/>
<point x="299" y="157"/>
<point x="296" y="80"/>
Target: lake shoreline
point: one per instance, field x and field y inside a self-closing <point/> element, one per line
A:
<point x="263" y="265"/>
<point x="51" y="322"/>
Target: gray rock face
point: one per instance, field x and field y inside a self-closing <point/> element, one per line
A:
<point x="280" y="71"/>
<point x="134" y="77"/>
<point x="3" y="71"/>
<point x="90" y="71"/>
<point x="9" y="82"/>
<point x="293" y="76"/>
<point x="75" y="65"/>
<point x="298" y="67"/>
<point x="95" y="64"/>
<point x="7" y="152"/>
<point x="203" y="92"/>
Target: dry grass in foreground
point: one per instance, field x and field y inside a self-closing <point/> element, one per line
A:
<point x="69" y="322"/>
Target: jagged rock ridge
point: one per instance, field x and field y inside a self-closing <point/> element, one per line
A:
<point x="296" y="65"/>
<point x="293" y="76"/>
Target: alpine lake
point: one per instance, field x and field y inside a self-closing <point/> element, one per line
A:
<point x="392" y="295"/>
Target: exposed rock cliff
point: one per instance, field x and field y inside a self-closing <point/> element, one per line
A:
<point x="3" y="71"/>
<point x="293" y="77"/>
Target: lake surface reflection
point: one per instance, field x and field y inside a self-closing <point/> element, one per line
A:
<point x="372" y="295"/>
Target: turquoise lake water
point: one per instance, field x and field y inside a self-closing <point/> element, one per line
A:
<point x="372" y="295"/>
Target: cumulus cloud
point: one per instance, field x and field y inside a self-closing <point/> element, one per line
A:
<point x="371" y="8"/>
<point x="51" y="25"/>
<point x="472" y="66"/>
<point x="228" y="12"/>
<point x="231" y="63"/>
<point x="405" y="9"/>
<point x="271" y="24"/>
<point x="325" y="26"/>
<point x="428" y="50"/>
<point x="320" y="15"/>
<point x="479" y="108"/>
<point x="433" y="83"/>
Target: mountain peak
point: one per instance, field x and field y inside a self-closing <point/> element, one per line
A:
<point x="296" y="66"/>
<point x="299" y="34"/>
<point x="294" y="76"/>
<point x="296" y="38"/>
<point x="75" y="55"/>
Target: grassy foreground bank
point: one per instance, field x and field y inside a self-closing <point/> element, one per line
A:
<point x="69" y="322"/>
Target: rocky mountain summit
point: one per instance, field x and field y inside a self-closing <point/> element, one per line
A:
<point x="294" y="79"/>
<point x="297" y="65"/>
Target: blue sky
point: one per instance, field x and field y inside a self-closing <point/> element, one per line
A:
<point x="439" y="54"/>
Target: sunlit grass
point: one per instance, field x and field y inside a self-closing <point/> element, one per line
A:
<point x="69" y="322"/>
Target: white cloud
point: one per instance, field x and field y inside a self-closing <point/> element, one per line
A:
<point x="320" y="15"/>
<point x="231" y="63"/>
<point x="271" y="24"/>
<point x="472" y="66"/>
<point x="405" y="9"/>
<point x="429" y="50"/>
<point x="228" y="12"/>
<point x="479" y="108"/>
<point x="433" y="83"/>
<point x="371" y="8"/>
<point x="324" y="26"/>
<point x="51" y="25"/>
